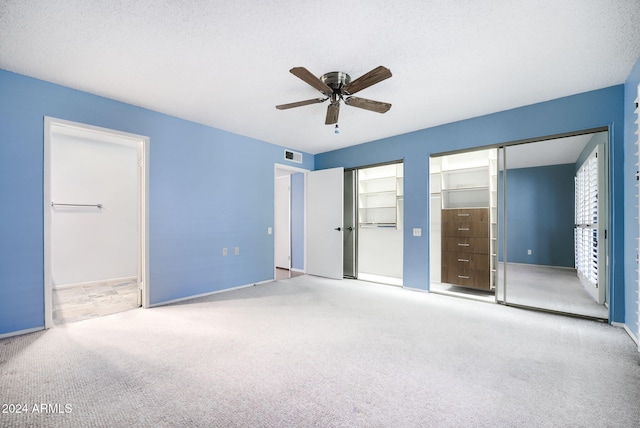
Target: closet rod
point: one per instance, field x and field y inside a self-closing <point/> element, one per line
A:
<point x="53" y="204"/>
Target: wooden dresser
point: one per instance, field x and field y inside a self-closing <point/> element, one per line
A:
<point x="466" y="247"/>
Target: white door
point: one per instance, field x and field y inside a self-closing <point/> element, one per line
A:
<point x="324" y="222"/>
<point x="282" y="222"/>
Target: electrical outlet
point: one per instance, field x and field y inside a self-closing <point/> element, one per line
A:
<point x="529" y="252"/>
<point x="224" y="251"/>
<point x="236" y="251"/>
<point x="269" y="230"/>
<point x="417" y="231"/>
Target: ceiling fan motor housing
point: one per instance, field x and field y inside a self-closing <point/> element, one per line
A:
<point x="336" y="80"/>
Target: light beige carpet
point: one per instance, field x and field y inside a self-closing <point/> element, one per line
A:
<point x="313" y="352"/>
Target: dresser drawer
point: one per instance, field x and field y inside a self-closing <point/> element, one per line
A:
<point x="471" y="229"/>
<point x="465" y="214"/>
<point x="479" y="279"/>
<point x="465" y="261"/>
<point x="452" y="244"/>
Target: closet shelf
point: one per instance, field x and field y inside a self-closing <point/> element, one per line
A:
<point x="460" y="189"/>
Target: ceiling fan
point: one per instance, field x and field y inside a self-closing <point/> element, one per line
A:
<point x="337" y="86"/>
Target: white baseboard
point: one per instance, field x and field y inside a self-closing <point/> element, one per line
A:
<point x="182" y="299"/>
<point x="537" y="265"/>
<point x="419" y="290"/>
<point x="297" y="270"/>
<point x="21" y="332"/>
<point x="627" y="329"/>
<point x="90" y="283"/>
<point x="381" y="279"/>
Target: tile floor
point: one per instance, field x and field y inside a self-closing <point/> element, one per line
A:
<point x="286" y="274"/>
<point x="82" y="302"/>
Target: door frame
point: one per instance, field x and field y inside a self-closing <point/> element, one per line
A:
<point x="288" y="169"/>
<point x="143" y="208"/>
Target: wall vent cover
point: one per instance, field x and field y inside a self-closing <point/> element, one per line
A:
<point x="293" y="156"/>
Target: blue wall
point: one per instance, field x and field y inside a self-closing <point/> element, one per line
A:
<point x="208" y="189"/>
<point x="541" y="205"/>
<point x="297" y="221"/>
<point x="631" y="198"/>
<point x="589" y="110"/>
<point x="199" y="202"/>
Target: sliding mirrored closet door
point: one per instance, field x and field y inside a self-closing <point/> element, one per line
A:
<point x="523" y="224"/>
<point x="552" y="217"/>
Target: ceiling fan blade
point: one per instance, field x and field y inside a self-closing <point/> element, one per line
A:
<point x="332" y="113"/>
<point x="301" y="103"/>
<point x="366" y="104"/>
<point x="304" y="74"/>
<point x="376" y="75"/>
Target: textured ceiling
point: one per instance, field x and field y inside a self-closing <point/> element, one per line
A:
<point x="548" y="152"/>
<point x="226" y="63"/>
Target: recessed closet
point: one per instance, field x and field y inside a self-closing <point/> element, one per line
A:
<point x="524" y="224"/>
<point x="373" y="223"/>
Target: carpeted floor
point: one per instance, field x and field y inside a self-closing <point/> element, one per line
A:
<point x="543" y="287"/>
<point x="551" y="288"/>
<point x="313" y="352"/>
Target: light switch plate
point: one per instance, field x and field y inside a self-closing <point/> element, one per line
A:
<point x="417" y="231"/>
<point x="269" y="231"/>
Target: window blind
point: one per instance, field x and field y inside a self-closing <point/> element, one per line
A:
<point x="586" y="219"/>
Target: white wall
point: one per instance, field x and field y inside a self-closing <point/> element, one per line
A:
<point x="380" y="251"/>
<point x="91" y="244"/>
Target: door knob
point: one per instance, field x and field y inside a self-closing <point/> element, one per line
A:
<point x="338" y="229"/>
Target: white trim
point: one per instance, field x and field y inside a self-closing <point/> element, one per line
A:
<point x="196" y="296"/>
<point x="419" y="290"/>
<point x="627" y="329"/>
<point x="142" y="143"/>
<point x="637" y="144"/>
<point x="298" y="270"/>
<point x="546" y="266"/>
<point x="380" y="279"/>
<point x="630" y="333"/>
<point x="48" y="283"/>
<point x="21" y="332"/>
<point x="90" y="283"/>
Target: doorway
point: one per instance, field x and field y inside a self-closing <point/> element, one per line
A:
<point x="289" y="222"/>
<point x="95" y="221"/>
<point x="533" y="236"/>
<point x="373" y="223"/>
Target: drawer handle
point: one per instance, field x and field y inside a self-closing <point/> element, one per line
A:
<point x="463" y="228"/>
<point x="463" y="276"/>
<point x="463" y="214"/>
<point x="464" y="260"/>
<point x="463" y="245"/>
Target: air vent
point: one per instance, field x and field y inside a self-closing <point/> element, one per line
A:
<point x="293" y="156"/>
